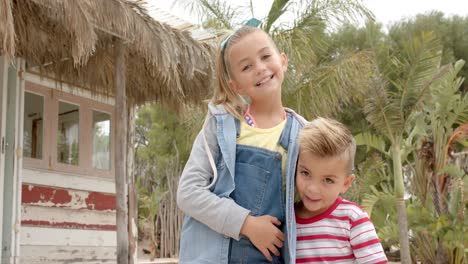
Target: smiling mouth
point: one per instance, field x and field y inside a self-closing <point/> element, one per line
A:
<point x="264" y="80"/>
<point x="313" y="200"/>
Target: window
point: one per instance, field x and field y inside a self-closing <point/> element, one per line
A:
<point x="33" y="125"/>
<point x="64" y="132"/>
<point x="68" y="133"/>
<point x="101" y="140"/>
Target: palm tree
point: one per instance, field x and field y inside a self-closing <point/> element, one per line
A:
<point x="318" y="83"/>
<point x="435" y="175"/>
<point x="399" y="90"/>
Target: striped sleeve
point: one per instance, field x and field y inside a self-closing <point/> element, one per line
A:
<point x="364" y="241"/>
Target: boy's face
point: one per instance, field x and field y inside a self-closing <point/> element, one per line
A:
<point x="319" y="182"/>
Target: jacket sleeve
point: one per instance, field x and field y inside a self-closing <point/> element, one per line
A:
<point x="221" y="214"/>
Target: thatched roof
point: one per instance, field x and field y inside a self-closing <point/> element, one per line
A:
<point x="74" y="41"/>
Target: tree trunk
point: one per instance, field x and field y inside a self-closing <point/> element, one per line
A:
<point x="405" y="255"/>
<point x="169" y="216"/>
<point x="401" y="207"/>
<point x="441" y="257"/>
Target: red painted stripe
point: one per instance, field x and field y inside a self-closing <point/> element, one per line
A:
<point x="39" y="194"/>
<point x="62" y="198"/>
<point x="68" y="225"/>
<point x="100" y="201"/>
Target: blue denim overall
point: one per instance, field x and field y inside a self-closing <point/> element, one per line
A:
<point x="259" y="188"/>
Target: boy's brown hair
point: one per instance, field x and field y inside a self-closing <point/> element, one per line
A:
<point x="325" y="137"/>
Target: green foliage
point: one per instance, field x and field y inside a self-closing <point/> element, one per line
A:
<point x="162" y="134"/>
<point x="453" y="32"/>
<point x="446" y="109"/>
<point x="350" y="38"/>
<point x="403" y="85"/>
<point x="446" y="228"/>
<point x="372" y="141"/>
<point x="373" y="190"/>
<point x="148" y="202"/>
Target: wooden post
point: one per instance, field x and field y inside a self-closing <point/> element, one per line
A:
<point x="3" y="111"/>
<point x="132" y="194"/>
<point x="120" y="159"/>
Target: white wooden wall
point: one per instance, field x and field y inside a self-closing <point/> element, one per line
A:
<point x="67" y="218"/>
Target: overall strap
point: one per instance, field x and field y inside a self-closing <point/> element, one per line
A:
<point x="284" y="138"/>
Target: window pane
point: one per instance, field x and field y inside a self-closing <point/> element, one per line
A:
<point x="101" y="140"/>
<point x="33" y="123"/>
<point x="68" y="131"/>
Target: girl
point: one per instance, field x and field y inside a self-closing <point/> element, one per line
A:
<point x="237" y="188"/>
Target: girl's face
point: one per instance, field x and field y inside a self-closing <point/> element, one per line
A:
<point x="256" y="67"/>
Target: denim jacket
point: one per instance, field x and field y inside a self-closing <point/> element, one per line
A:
<point x="212" y="217"/>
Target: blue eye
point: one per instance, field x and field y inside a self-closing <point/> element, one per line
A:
<point x="329" y="181"/>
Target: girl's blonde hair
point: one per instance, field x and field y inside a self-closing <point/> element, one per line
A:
<point x="223" y="93"/>
<point x="326" y="137"/>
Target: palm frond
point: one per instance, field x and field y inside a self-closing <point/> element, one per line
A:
<point x="372" y="141"/>
<point x="324" y="89"/>
<point x="214" y="10"/>
<point x="389" y="233"/>
<point x="335" y="12"/>
<point x="371" y="200"/>
<point x="304" y="42"/>
<point x="424" y="248"/>
<point x="424" y="56"/>
<point x="381" y="111"/>
<point x="251" y="7"/>
<point x="446" y="101"/>
<point x="304" y="39"/>
<point x="278" y="7"/>
<point x="369" y="173"/>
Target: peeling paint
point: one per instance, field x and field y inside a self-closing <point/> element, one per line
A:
<point x="39" y="194"/>
<point x="100" y="201"/>
<point x="71" y="225"/>
<point x="73" y="199"/>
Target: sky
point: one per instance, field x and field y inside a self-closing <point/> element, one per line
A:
<point x="385" y="11"/>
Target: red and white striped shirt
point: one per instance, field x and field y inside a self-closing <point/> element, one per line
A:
<point x="342" y="234"/>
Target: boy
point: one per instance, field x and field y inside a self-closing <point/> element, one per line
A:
<point x="329" y="228"/>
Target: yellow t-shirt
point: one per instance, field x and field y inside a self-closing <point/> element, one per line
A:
<point x="266" y="138"/>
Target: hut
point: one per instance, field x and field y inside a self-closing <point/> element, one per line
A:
<point x="71" y="74"/>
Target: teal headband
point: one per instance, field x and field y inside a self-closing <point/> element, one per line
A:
<point x="253" y="22"/>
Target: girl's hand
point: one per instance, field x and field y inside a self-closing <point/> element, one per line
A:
<point x="264" y="234"/>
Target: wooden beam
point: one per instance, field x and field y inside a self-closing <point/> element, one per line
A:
<point x="132" y="194"/>
<point x="3" y="111"/>
<point x="120" y="157"/>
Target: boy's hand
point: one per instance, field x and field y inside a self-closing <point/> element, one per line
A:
<point x="264" y="234"/>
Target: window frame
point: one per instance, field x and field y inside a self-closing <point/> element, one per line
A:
<point x="49" y="161"/>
